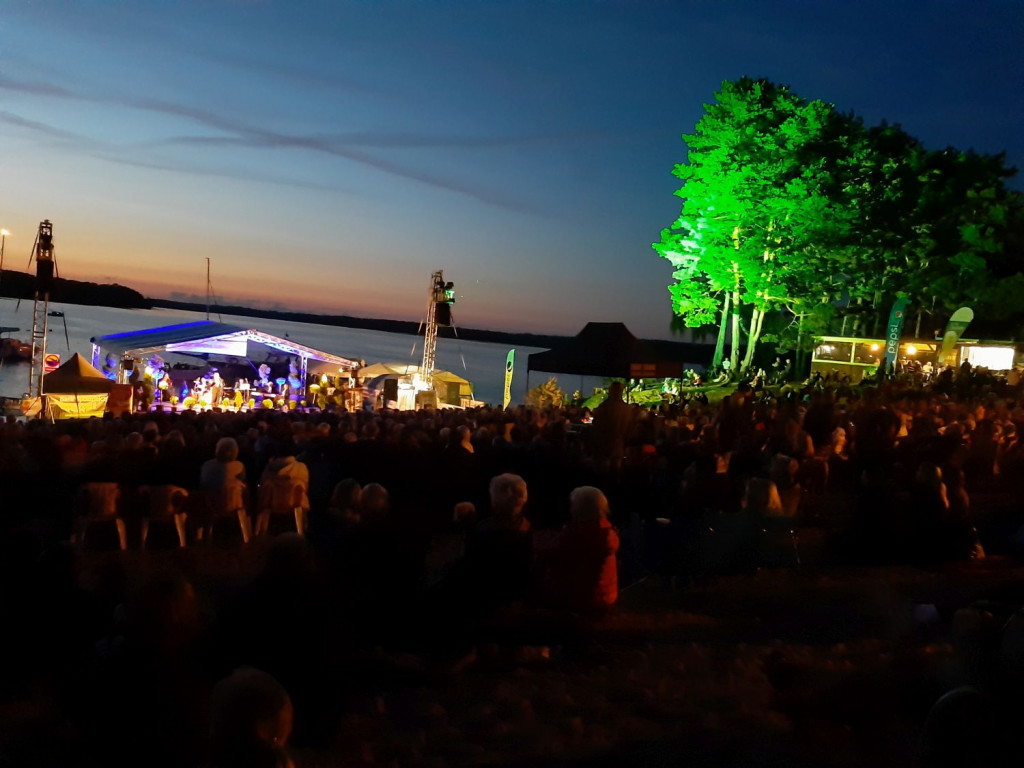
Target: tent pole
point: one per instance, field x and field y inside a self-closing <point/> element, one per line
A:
<point x="305" y="368"/>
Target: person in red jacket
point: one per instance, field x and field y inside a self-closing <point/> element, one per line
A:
<point x="583" y="571"/>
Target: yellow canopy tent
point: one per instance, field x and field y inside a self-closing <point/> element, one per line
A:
<point x="76" y="390"/>
<point x="452" y="389"/>
<point x="449" y="388"/>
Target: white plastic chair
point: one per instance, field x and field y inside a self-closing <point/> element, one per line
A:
<point x="100" y="503"/>
<point x="164" y="503"/>
<point x="282" y="496"/>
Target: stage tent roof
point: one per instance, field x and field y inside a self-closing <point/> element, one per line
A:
<point x="76" y="376"/>
<point x="610" y="349"/>
<point x="205" y="336"/>
<point x="406" y="369"/>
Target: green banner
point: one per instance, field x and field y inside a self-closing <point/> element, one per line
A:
<point x="894" y="330"/>
<point x="954" y="330"/>
<point x="509" y="365"/>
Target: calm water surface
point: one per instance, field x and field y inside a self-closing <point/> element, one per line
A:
<point x="484" y="363"/>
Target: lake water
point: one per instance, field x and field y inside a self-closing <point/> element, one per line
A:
<point x="482" y="363"/>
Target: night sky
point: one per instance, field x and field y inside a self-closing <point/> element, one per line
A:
<point x="328" y="156"/>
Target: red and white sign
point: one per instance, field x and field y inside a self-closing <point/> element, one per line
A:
<point x="51" y="362"/>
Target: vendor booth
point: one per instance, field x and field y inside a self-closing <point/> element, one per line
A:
<point x="861" y="357"/>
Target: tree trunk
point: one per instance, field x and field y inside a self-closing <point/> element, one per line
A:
<point x="734" y="348"/>
<point x="858" y="321"/>
<point x="800" y="359"/>
<point x="723" y="326"/>
<point x="756" y="319"/>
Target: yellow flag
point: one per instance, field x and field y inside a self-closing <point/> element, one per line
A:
<point x="509" y="365"/>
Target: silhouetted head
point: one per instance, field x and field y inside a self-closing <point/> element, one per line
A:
<point x="251" y="719"/>
<point x="588" y="504"/>
<point x="226" y="450"/>
<point x="374" y="503"/>
<point x="508" y="497"/>
<point x="347" y="495"/>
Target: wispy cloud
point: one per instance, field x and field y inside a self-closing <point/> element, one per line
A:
<point x="297" y="75"/>
<point x="225" y="174"/>
<point x="36" y="88"/>
<point x="121" y="156"/>
<point x="403" y="140"/>
<point x="247" y="135"/>
<point x="17" y="121"/>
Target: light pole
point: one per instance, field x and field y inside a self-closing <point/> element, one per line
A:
<point x="3" y="241"/>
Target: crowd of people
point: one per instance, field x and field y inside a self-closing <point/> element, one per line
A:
<point x="430" y="532"/>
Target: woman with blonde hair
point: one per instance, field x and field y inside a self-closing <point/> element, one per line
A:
<point x="583" y="569"/>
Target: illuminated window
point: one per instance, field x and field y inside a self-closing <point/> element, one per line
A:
<point x="993" y="358"/>
<point x="839" y="351"/>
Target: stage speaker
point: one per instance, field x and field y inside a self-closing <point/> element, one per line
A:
<point x="391" y="389"/>
<point x="443" y="313"/>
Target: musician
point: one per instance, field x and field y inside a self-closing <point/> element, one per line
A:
<point x="110" y="367"/>
<point x="164" y="386"/>
<point x="201" y="391"/>
<point x="216" y="388"/>
<point x="264" y="383"/>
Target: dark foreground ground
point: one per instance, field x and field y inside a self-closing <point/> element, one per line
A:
<point x="813" y="666"/>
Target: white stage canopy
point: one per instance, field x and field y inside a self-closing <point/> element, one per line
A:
<point x="207" y="337"/>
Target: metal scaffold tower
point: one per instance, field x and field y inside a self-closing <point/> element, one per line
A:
<point x="45" y="269"/>
<point x="439" y="313"/>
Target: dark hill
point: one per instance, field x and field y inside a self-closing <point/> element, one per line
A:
<point x="21" y="285"/>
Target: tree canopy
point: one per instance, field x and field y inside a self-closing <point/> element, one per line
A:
<point x="797" y="213"/>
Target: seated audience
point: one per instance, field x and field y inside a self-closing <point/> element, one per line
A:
<point x="582" y="566"/>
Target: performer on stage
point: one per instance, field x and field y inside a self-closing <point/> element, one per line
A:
<point x="202" y="392"/>
<point x="110" y="367"/>
<point x="264" y="383"/>
<point x="295" y="383"/>
<point x="216" y="388"/>
<point x="164" y="386"/>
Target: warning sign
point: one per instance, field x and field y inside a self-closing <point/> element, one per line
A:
<point x="51" y="362"/>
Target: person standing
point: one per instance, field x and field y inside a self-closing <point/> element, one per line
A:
<point x="613" y="420"/>
<point x="216" y="389"/>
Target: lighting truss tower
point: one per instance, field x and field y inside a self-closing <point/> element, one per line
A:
<point x="45" y="267"/>
<point x="442" y="296"/>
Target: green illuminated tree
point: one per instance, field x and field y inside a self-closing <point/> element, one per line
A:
<point x="755" y="235"/>
<point x="788" y="203"/>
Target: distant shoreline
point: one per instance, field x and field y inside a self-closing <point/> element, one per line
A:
<point x="21" y="285"/>
<point x="543" y="341"/>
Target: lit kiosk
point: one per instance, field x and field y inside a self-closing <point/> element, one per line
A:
<point x="857" y="358"/>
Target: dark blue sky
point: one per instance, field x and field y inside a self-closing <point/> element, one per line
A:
<point x="331" y="155"/>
